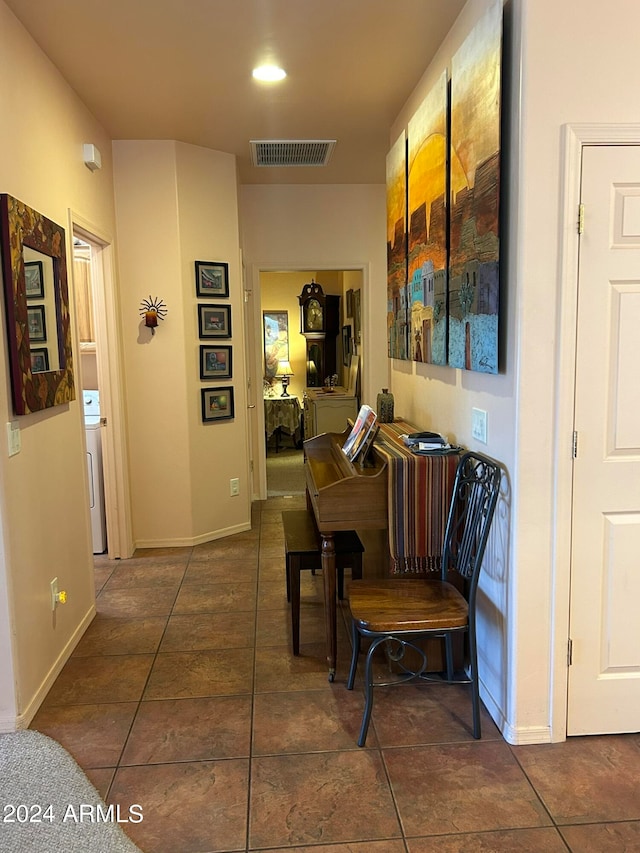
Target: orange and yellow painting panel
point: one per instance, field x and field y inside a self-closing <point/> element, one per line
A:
<point x="427" y="237"/>
<point x="475" y="195"/>
<point x="397" y="249"/>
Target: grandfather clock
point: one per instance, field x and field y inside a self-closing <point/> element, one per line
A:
<point x="319" y="322"/>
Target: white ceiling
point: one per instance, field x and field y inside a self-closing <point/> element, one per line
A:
<point x="181" y="69"/>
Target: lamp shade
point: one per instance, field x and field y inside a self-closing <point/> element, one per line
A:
<point x="284" y="369"/>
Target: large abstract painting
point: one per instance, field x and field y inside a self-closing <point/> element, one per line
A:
<point x="427" y="239"/>
<point x="397" y="330"/>
<point x="475" y="194"/>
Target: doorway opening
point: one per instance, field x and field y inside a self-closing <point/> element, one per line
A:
<point x="90" y="391"/>
<point x="283" y="428"/>
<point x="100" y="370"/>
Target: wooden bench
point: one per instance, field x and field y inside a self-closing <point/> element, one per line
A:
<point x="302" y="550"/>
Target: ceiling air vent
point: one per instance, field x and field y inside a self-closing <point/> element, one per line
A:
<point x="291" y="152"/>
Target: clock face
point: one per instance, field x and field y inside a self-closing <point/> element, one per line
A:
<point x="313" y="316"/>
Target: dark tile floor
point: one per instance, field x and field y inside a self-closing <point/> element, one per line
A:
<point x="183" y="696"/>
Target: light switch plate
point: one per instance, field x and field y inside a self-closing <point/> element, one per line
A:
<point x="479" y="425"/>
<point x="13" y="438"/>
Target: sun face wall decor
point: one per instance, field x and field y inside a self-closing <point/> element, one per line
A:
<point x="152" y="310"/>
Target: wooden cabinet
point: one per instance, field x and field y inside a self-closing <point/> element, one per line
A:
<point x="325" y="412"/>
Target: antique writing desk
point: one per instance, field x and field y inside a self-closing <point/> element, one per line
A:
<point x="407" y="494"/>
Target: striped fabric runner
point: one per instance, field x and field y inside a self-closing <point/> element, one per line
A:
<point x="420" y="490"/>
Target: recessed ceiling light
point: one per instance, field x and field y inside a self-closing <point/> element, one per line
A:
<point x="269" y="73"/>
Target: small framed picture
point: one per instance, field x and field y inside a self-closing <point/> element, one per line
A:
<point x="214" y="321"/>
<point x="346" y="345"/>
<point x="37" y="324"/>
<point x="349" y="303"/>
<point x="39" y="359"/>
<point x="217" y="404"/>
<point x="212" y="279"/>
<point x="215" y="362"/>
<point x="34" y="280"/>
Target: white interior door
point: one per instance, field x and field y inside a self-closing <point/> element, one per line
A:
<point x="604" y="678"/>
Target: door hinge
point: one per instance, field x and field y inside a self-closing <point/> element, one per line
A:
<point x="574" y="445"/>
<point x="580" y="218"/>
<point x="570" y="652"/>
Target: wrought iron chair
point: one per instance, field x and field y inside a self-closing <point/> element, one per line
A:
<point x="400" y="612"/>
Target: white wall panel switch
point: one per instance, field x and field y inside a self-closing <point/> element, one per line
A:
<point x="13" y="438"/>
<point x="479" y="425"/>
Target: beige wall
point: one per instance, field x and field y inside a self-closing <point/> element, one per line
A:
<point x="572" y="71"/>
<point x="43" y="490"/>
<point x="441" y="399"/>
<point x="292" y="227"/>
<point x="582" y="68"/>
<point x="179" y="467"/>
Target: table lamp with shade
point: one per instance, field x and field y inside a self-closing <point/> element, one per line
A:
<point x="283" y="373"/>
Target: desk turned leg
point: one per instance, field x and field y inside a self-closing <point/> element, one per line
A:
<point x="329" y="578"/>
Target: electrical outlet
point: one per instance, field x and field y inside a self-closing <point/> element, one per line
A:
<point x="234" y="486"/>
<point x="13" y="438"/>
<point x="54" y="593"/>
<point x="479" y="425"/>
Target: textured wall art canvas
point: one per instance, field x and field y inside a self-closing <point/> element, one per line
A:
<point x="397" y="331"/>
<point x="475" y="194"/>
<point x="427" y="236"/>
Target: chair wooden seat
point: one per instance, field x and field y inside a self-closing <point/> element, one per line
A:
<point x="303" y="552"/>
<point x="407" y="605"/>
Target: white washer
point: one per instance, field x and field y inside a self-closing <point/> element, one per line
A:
<point x="94" y="465"/>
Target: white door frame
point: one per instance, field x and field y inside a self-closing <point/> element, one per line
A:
<point x="255" y="369"/>
<point x="110" y="379"/>
<point x="574" y="137"/>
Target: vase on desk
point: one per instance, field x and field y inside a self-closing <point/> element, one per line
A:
<point x="384" y="406"/>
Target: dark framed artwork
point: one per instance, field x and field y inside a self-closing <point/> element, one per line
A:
<point x="276" y="340"/>
<point x="217" y="404"/>
<point x="39" y="359"/>
<point x="27" y="236"/>
<point x="37" y="323"/>
<point x="212" y="279"/>
<point x="214" y="321"/>
<point x="34" y="279"/>
<point x="215" y="362"/>
<point x="356" y="317"/>
<point x="346" y="345"/>
<point x="349" y="303"/>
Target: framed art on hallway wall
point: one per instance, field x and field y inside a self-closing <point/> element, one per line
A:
<point x="217" y="404"/>
<point x="212" y="279"/>
<point x="214" y="321"/>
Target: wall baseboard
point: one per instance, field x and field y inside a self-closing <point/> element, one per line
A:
<point x="513" y="734"/>
<point x="23" y="720"/>
<point x="194" y="540"/>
